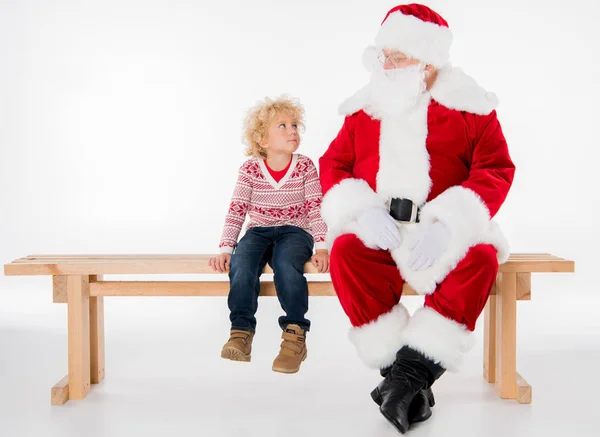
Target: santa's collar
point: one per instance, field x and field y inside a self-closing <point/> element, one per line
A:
<point x="453" y="89"/>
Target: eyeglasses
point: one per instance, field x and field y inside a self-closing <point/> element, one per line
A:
<point x="395" y="58"/>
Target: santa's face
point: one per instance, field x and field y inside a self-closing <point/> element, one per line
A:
<point x="391" y="59"/>
<point x="396" y="85"/>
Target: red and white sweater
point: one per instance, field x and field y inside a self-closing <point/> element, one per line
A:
<point x="295" y="200"/>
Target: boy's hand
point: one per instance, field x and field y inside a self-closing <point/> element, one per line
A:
<point x="220" y="263"/>
<point x="321" y="260"/>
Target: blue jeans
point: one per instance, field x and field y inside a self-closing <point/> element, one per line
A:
<point x="286" y="249"/>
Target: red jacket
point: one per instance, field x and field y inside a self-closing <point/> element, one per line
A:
<point x="450" y="157"/>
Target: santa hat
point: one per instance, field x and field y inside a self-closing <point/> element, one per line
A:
<point x="415" y="30"/>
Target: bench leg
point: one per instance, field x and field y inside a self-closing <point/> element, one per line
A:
<point x="59" y="394"/>
<point x="523" y="391"/>
<point x="96" y="336"/>
<point x="78" y="297"/>
<point x="489" y="340"/>
<point x="506" y="335"/>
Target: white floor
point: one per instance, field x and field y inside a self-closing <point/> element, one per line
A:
<point x="164" y="375"/>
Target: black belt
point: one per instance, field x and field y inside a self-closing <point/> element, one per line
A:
<point x="404" y="210"/>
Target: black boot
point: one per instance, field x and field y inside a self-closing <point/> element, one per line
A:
<point x="420" y="407"/>
<point x="410" y="373"/>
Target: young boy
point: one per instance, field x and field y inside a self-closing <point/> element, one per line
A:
<point x="281" y="193"/>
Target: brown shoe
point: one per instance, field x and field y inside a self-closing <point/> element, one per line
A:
<point x="239" y="346"/>
<point x="292" y="352"/>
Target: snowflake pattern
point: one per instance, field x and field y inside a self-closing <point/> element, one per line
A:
<point x="296" y="203"/>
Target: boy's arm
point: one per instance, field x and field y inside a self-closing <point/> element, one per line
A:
<point x="314" y="197"/>
<point x="238" y="207"/>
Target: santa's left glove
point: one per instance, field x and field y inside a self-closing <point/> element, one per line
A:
<point x="429" y="246"/>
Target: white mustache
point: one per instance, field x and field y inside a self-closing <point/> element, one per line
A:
<point x="392" y="92"/>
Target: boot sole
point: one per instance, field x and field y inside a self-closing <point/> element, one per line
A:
<point x="287" y="370"/>
<point x="233" y="354"/>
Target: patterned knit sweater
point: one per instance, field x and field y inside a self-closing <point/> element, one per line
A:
<point x="294" y="200"/>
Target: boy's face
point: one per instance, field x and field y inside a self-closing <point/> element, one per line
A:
<point x="282" y="136"/>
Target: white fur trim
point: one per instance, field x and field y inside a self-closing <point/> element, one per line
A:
<point x="454" y="89"/>
<point x="369" y="58"/>
<point x="462" y="210"/>
<point x="344" y="202"/>
<point x="397" y="176"/>
<point x="496" y="238"/>
<point x="440" y="339"/>
<point x="403" y="157"/>
<point x="351" y="227"/>
<point x="355" y="103"/>
<point x="425" y="41"/>
<point x="378" y="341"/>
<point x="468" y="219"/>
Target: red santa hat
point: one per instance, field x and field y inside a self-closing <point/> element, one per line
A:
<point x="415" y="30"/>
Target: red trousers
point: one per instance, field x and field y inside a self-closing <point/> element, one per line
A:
<point x="368" y="283"/>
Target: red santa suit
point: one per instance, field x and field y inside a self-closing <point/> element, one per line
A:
<point x="449" y="157"/>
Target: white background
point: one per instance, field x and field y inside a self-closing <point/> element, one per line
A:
<point x="120" y="121"/>
<point x="120" y="129"/>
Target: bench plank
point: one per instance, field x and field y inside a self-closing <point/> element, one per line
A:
<point x="212" y="288"/>
<point x="75" y="257"/>
<point x="205" y="256"/>
<point x="198" y="264"/>
<point x="185" y="288"/>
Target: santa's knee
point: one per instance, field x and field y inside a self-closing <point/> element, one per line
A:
<point x="345" y="250"/>
<point x="483" y="259"/>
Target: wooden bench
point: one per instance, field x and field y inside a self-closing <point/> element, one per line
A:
<point x="78" y="281"/>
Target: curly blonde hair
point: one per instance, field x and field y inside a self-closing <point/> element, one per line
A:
<point x="261" y="115"/>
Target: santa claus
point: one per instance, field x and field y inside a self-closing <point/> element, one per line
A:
<point x="411" y="184"/>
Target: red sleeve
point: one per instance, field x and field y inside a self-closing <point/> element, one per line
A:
<point x="492" y="171"/>
<point x="467" y="208"/>
<point x="337" y="162"/>
<point x="345" y="197"/>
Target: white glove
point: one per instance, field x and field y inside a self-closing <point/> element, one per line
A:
<point x="431" y="244"/>
<point x="378" y="226"/>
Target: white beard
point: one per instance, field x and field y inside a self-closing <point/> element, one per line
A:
<point x="391" y="93"/>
